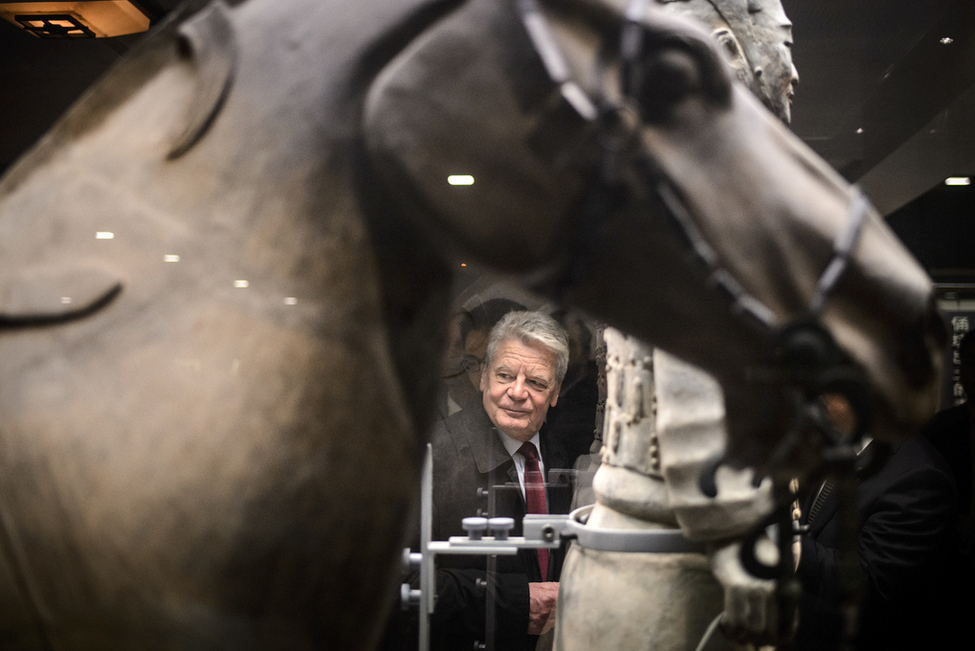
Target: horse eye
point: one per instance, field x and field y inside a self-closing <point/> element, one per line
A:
<point x="668" y="78"/>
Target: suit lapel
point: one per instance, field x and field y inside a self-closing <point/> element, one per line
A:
<point x="830" y="504"/>
<point x="821" y="508"/>
<point x="558" y="485"/>
<point x="492" y="459"/>
<point x="488" y="453"/>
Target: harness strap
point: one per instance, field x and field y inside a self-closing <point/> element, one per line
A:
<point x="548" y="50"/>
<point x="720" y="279"/>
<point x="846" y="241"/>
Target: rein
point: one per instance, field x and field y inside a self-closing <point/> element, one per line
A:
<point x="808" y="362"/>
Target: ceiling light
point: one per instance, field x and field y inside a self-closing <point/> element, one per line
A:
<point x="947" y="40"/>
<point x="460" y="179"/>
<point x="958" y="180"/>
<point x="241" y="284"/>
<point x="170" y="257"/>
<point x="104" y="235"/>
<point x="860" y="130"/>
<point x="96" y="19"/>
<point x="290" y="300"/>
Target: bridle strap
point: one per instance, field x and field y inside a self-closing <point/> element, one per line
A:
<point x="741" y="303"/>
<point x="549" y="52"/>
<point x="845" y="243"/>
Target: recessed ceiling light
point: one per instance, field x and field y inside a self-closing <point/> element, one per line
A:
<point x="170" y="257"/>
<point x="460" y="179"/>
<point x="947" y="40"/>
<point x="290" y="300"/>
<point x="241" y="284"/>
<point x="104" y="235"/>
<point x="60" y="19"/>
<point x="958" y="180"/>
<point x="860" y="130"/>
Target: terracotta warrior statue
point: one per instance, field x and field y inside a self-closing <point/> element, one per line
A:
<point x="665" y="419"/>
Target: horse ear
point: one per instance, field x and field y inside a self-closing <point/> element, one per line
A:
<point x="675" y="61"/>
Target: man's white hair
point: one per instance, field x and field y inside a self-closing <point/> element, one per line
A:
<point x="532" y="328"/>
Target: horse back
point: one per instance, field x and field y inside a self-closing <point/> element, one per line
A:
<point x="207" y="436"/>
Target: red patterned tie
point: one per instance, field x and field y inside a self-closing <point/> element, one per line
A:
<point x="535" y="495"/>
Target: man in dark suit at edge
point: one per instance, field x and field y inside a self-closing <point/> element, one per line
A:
<point x="905" y="551"/>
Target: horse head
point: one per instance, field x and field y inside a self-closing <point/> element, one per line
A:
<point x="588" y="144"/>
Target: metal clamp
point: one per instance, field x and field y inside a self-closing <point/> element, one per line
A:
<point x="646" y="541"/>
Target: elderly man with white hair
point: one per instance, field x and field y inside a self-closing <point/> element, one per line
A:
<point x="492" y="462"/>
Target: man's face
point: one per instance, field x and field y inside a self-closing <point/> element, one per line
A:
<point x="518" y="388"/>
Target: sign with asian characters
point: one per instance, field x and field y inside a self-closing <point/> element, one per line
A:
<point x="959" y="322"/>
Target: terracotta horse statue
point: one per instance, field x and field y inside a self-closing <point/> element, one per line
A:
<point x="225" y="278"/>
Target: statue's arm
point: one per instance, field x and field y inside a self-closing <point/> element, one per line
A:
<point x="691" y="430"/>
<point x="751" y="607"/>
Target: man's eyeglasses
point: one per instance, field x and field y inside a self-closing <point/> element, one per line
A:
<point x="468" y="364"/>
<point x="472" y="364"/>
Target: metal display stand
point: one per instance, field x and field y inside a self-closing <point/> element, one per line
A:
<point x="489" y="537"/>
<point x="486" y="537"/>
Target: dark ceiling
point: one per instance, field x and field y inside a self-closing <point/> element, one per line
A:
<point x="887" y="96"/>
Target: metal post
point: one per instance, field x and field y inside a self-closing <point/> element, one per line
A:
<point x="428" y="583"/>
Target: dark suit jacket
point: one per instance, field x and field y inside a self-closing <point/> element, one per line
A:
<point x="948" y="432"/>
<point x="905" y="545"/>
<point x="473" y="474"/>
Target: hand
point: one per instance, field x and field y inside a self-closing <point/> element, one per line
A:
<point x="542" y="599"/>
<point x="751" y="609"/>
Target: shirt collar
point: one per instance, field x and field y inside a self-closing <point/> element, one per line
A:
<point x="513" y="445"/>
